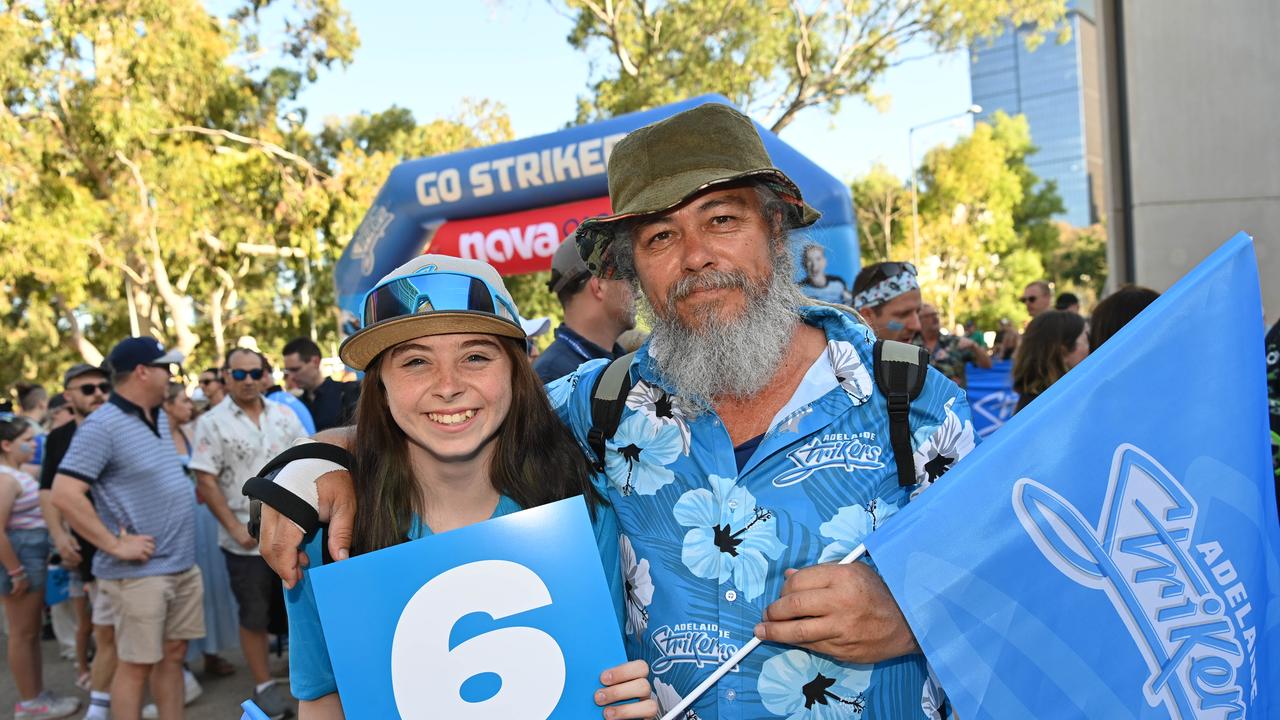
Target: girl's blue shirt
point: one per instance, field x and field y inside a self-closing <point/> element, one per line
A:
<point x="311" y="672"/>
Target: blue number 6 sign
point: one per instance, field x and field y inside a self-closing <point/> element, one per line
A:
<point x="509" y="618"/>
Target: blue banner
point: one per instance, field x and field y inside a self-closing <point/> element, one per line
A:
<point x="991" y="396"/>
<point x="506" y="618"/>
<point x="1112" y="552"/>
<point x="559" y="167"/>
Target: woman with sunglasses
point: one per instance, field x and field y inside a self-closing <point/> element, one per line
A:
<point x="24" y="553"/>
<point x="452" y="428"/>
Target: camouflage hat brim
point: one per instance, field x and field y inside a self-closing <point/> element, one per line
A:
<point x="594" y="235"/>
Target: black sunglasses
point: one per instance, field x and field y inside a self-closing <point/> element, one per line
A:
<point x="1028" y="299"/>
<point x="88" y="389"/>
<point x="886" y="270"/>
<point x="240" y="375"/>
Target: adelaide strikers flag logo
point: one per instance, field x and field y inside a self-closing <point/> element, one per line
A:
<point x="1176" y="592"/>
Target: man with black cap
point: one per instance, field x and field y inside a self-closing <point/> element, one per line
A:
<point x="754" y="441"/>
<point x="143" y="527"/>
<point x="85" y="389"/>
<point x="596" y="312"/>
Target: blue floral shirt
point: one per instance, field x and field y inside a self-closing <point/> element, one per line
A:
<point x="704" y="546"/>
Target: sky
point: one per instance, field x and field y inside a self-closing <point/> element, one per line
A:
<point x="428" y="57"/>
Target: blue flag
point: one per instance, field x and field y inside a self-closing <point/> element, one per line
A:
<point x="991" y="396"/>
<point x="1112" y="551"/>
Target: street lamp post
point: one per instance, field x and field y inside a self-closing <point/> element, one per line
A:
<point x="911" y="158"/>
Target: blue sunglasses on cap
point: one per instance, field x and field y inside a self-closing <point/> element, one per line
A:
<point x="435" y="292"/>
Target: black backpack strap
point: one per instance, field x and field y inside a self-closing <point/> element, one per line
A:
<point x="900" y="371"/>
<point x="263" y="489"/>
<point x="608" y="400"/>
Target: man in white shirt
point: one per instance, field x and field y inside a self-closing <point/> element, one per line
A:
<point x="233" y="441"/>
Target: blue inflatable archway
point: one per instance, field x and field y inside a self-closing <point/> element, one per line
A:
<point x="511" y="204"/>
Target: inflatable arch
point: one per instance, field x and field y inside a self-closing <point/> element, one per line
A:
<point x="511" y="204"/>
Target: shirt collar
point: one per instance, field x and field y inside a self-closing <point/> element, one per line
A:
<point x="137" y="411"/>
<point x="584" y="347"/>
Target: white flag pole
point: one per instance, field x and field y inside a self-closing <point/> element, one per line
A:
<point x="737" y="657"/>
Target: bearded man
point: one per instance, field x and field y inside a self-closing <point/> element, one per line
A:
<point x="754" y="442"/>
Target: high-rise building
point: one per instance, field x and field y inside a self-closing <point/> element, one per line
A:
<point x="1057" y="87"/>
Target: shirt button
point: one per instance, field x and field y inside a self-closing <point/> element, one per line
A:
<point x="731" y="595"/>
<point x="730" y="695"/>
<point x="733" y="504"/>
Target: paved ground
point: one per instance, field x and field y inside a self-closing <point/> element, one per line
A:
<point x="220" y="701"/>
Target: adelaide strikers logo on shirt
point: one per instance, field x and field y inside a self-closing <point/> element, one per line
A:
<point x="691" y="643"/>
<point x="848" y="451"/>
<point x="1175" y="590"/>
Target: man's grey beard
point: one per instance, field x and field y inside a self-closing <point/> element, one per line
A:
<point x="734" y="359"/>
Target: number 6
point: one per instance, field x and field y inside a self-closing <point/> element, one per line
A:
<point x="426" y="676"/>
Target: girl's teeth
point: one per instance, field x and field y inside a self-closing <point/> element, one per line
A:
<point x="453" y="418"/>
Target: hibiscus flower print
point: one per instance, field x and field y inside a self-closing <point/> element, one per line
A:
<point x="561" y="389"/>
<point x="638" y="586"/>
<point x="800" y="686"/>
<point x="851" y="372"/>
<point x="850" y="525"/>
<point x="731" y="539"/>
<point x="661" y="408"/>
<point x="668" y="698"/>
<point x="638" y="454"/>
<point x="950" y="441"/>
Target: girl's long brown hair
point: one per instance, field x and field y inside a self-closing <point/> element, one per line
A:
<point x="1040" y="359"/>
<point x="536" y="459"/>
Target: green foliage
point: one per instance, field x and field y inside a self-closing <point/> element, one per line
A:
<point x="986" y="227"/>
<point x="1078" y="262"/>
<point x="882" y="208"/>
<point x="154" y="172"/>
<point x="774" y="58"/>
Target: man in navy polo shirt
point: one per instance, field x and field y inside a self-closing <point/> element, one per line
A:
<point x="596" y="312"/>
<point x="143" y="527"/>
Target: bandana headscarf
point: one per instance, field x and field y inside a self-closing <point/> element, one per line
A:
<point x="886" y="290"/>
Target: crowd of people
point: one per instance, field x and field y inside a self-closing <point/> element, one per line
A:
<point x="709" y="510"/>
<point x="133" y="490"/>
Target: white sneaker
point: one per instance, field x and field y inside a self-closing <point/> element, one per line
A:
<point x="46" y="707"/>
<point x="191" y="691"/>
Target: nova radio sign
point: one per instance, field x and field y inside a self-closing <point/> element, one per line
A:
<point x="514" y="243"/>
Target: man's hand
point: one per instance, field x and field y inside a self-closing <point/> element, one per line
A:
<point x="68" y="550"/>
<point x="844" y="611"/>
<point x="243" y="538"/>
<point x="133" y="548"/>
<point x="966" y="343"/>
<point x="279" y="538"/>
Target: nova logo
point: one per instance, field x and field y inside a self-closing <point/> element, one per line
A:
<point x="1141" y="555"/>
<point x="502" y="244"/>
<point x="849" y="452"/>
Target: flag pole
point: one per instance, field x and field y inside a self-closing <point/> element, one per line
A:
<point x="737" y="657"/>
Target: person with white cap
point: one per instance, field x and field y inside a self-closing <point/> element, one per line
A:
<point x="452" y="427"/>
<point x="535" y="328"/>
<point x="596" y="311"/>
<point x="143" y="527"/>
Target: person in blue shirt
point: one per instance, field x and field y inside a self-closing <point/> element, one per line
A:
<point x="754" y="450"/>
<point x="452" y="428"/>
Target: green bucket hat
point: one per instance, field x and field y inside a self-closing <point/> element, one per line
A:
<point x="660" y="166"/>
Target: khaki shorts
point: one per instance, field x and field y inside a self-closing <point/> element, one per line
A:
<point x="152" y="610"/>
<point x="104" y="613"/>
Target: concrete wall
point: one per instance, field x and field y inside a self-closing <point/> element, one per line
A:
<point x="1203" y="142"/>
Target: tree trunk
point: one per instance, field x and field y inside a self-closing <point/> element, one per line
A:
<point x="75" y="338"/>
